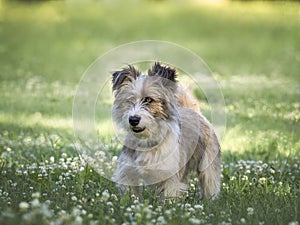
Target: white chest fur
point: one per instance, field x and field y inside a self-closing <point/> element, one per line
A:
<point x="159" y="163"/>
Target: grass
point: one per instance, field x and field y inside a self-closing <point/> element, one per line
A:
<point x="253" y="50"/>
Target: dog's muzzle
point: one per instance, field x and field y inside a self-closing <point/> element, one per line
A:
<point x="134" y="122"/>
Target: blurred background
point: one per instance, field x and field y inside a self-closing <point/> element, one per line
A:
<point x="252" y="47"/>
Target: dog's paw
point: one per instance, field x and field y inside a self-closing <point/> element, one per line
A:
<point x="175" y="189"/>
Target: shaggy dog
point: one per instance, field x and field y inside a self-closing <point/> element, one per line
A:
<point x="166" y="137"/>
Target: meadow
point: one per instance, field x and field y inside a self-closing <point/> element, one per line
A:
<point x="253" y="50"/>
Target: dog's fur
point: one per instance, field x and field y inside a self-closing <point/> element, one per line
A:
<point x="167" y="138"/>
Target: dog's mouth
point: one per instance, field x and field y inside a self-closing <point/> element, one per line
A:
<point x="137" y="129"/>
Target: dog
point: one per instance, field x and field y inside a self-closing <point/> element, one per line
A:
<point x="166" y="138"/>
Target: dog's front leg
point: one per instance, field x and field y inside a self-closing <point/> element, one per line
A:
<point x="172" y="187"/>
<point x="129" y="190"/>
<point x="127" y="180"/>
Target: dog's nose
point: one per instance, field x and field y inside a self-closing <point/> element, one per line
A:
<point x="134" y="120"/>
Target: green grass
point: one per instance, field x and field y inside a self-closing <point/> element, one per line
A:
<point x="253" y="50"/>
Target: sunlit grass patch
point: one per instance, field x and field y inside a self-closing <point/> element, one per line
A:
<point x="36" y="119"/>
<point x="263" y="145"/>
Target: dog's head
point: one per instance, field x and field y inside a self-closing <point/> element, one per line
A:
<point x="145" y="105"/>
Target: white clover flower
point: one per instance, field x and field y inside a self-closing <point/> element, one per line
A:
<point x="168" y="212"/>
<point x="272" y="171"/>
<point x="294" y="223"/>
<point x="244" y="178"/>
<point x="114" y="159"/>
<point x="45" y="210"/>
<point x="76" y="211"/>
<point x="199" y="207"/>
<point x="232" y="178"/>
<point x="192" y="186"/>
<point x="100" y="153"/>
<point x="109" y="204"/>
<point x="78" y="220"/>
<point x="158" y="209"/>
<point x="262" y="180"/>
<point x="114" y="197"/>
<point x="194" y="221"/>
<point x="36" y="195"/>
<point x="73" y="166"/>
<point x="223" y="213"/>
<point x="35" y="203"/>
<point x="148" y="212"/>
<point x="295" y="165"/>
<point x="187" y="205"/>
<point x="23" y="206"/>
<point x="191" y="209"/>
<point x="243" y="220"/>
<point x="105" y="195"/>
<point x="62" y="213"/>
<point x="74" y="198"/>
<point x="250" y="211"/>
<point x="161" y="220"/>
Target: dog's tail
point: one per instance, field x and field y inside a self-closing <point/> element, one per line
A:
<point x="186" y="99"/>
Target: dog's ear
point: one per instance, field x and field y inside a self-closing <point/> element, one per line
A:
<point x="124" y="76"/>
<point x="163" y="71"/>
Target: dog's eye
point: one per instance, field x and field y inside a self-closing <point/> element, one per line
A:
<point x="148" y="100"/>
